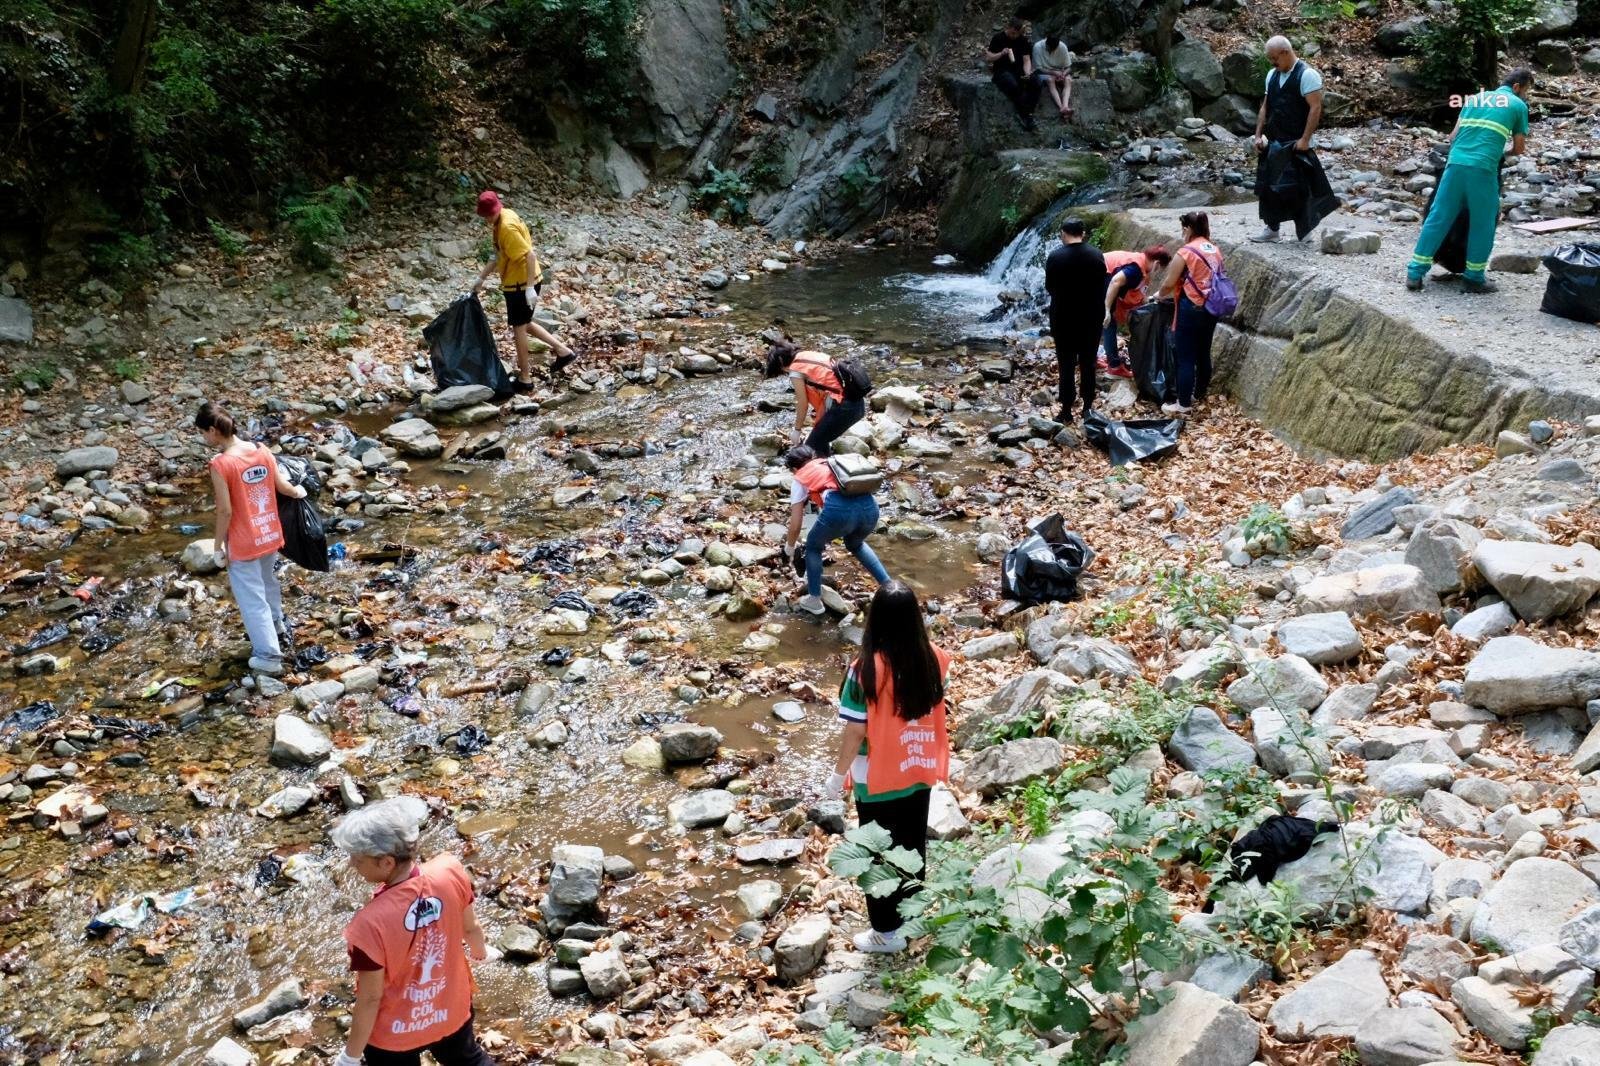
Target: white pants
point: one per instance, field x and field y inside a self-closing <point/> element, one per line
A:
<point x="255" y="587"/>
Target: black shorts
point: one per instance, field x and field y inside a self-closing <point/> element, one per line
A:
<point x="519" y="309"/>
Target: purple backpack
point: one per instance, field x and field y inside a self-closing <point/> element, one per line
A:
<point x="1222" y="299"/>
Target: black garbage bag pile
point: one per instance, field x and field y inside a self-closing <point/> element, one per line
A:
<point x="305" y="539"/>
<point x="1573" y="290"/>
<point x="461" y="348"/>
<point x="1134" y="440"/>
<point x="1045" y="566"/>
<point x="1150" y="352"/>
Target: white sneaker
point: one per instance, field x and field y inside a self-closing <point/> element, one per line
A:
<point x="876" y="943"/>
<point x="1266" y="236"/>
<point x="811" y="605"/>
<point x="1175" y="409"/>
<point x="262" y="665"/>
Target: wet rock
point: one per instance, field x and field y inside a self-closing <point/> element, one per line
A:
<point x="1540" y="581"/>
<point x="1511" y="675"/>
<point x="684" y="742"/>
<point x="699" y="810"/>
<point x="1287" y="681"/>
<point x="1530" y="903"/>
<point x="297" y="741"/>
<point x="226" y="1052"/>
<point x="550" y="735"/>
<point x="576" y="873"/>
<point x="1201" y="743"/>
<point x="82" y="460"/>
<point x="455" y="398"/>
<point x="760" y="899"/>
<point x="519" y="943"/>
<point x="605" y="974"/>
<point x="996" y="768"/>
<point x="1393" y="591"/>
<point x="564" y="982"/>
<point x="1442" y="549"/>
<point x="771" y="851"/>
<point x="619" y="868"/>
<point x="1327" y="637"/>
<point x="200" y="558"/>
<point x="1376" y="517"/>
<point x="286" y="802"/>
<point x="413" y="437"/>
<point x="1336" y="1002"/>
<point x="284" y="997"/>
<point x="789" y="712"/>
<point x="645" y="754"/>
<point x="1194" y="1028"/>
<point x="1404" y="1036"/>
<point x="800" y="949"/>
<point x="533" y="699"/>
<point x="828" y="815"/>
<point x="318" y="694"/>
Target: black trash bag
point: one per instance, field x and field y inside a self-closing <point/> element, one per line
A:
<point x="53" y="634"/>
<point x="1258" y="854"/>
<point x="1573" y="290"/>
<point x="462" y="351"/>
<point x="27" y="719"/>
<point x="1045" y="566"/>
<point x="1151" y="353"/>
<point x="469" y="739"/>
<point x="304" y="539"/>
<point x="572" y="601"/>
<point x="1452" y="254"/>
<point x="302" y="472"/>
<point x="634" y="603"/>
<point x="1134" y="440"/>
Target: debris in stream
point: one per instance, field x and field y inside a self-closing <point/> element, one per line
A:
<point x="135" y="912"/>
<point x="53" y="634"/>
<point x="469" y="739"/>
<point x="28" y="719"/>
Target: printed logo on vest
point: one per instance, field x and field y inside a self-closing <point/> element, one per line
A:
<point x="424" y="912"/>
<point x="253" y="475"/>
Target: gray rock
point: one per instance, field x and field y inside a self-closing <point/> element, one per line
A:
<point x="684" y="742"/>
<point x="1486" y="622"/>
<point x="1508" y="443"/>
<point x="455" y="398"/>
<point x="945" y="818"/>
<point x="576" y="873"/>
<point x="800" y="949"/>
<point x="698" y="810"/>
<point x="1345" y="703"/>
<point x="1197" y="69"/>
<point x="1336" y="1002"/>
<point x="1319" y="639"/>
<point x="1287" y="681"/>
<point x="605" y="974"/>
<point x="1569" y="1045"/>
<point x="1016" y="872"/>
<point x="1404" y="1036"/>
<point x="1285" y="743"/>
<point x="1410" y="780"/>
<point x="994" y="646"/>
<point x="1580" y="937"/>
<point x="564" y="982"/>
<point x="1391" y="871"/>
<point x="1540" y="581"/>
<point x="683" y="69"/>
<point x="770" y="851"/>
<point x="297" y="741"/>
<point x="519" y="943"/>
<point x="1493" y="1010"/>
<point x="200" y="557"/>
<point x="226" y="1052"/>
<point x="532" y="699"/>
<point x="1530" y="903"/>
<point x="1203" y="667"/>
<point x="133" y="392"/>
<point x="1569" y="471"/>
<point x="286" y="802"/>
<point x="1511" y="675"/>
<point x="285" y="996"/>
<point x="16" y="321"/>
<point x="1442" y="549"/>
<point x="1393" y="591"/>
<point x="1202" y="743"/>
<point x="1194" y="1028"/>
<point x="318" y="694"/>
<point x="414" y="437"/>
<point x="1376" y="517"/>
<point x="1587" y="757"/>
<point x="760" y="899"/>
<point x="1436" y="959"/>
<point x="714" y="280"/>
<point x="1092" y="657"/>
<point x="1229" y="975"/>
<point x="999" y="767"/>
<point x="1337" y="241"/>
<point x="1447" y="810"/>
<point x="82" y="460"/>
<point x="1540" y="431"/>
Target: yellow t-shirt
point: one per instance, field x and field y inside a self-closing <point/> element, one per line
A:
<point x="512" y="243"/>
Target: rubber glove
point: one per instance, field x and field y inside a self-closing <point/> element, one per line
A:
<point x="346" y="1059"/>
<point x="833" y="788"/>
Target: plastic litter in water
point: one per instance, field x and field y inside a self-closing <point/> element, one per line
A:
<point x="189" y="529"/>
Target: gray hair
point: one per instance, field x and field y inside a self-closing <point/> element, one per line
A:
<point x="1279" y="43"/>
<point x="387" y="828"/>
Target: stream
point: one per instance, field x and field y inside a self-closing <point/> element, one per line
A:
<point x="274" y="894"/>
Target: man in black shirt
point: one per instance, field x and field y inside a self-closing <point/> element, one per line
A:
<point x="1075" y="278"/>
<point x="1010" y="59"/>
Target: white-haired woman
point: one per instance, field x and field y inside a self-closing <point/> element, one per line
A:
<point x="409" y="945"/>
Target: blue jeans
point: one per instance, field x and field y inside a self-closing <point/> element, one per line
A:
<point x="850" y="519"/>
<point x="1193" y="350"/>
<point x="1108" y="341"/>
<point x="832" y="424"/>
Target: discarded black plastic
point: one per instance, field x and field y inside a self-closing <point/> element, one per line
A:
<point x="461" y="348"/>
<point x="132" y="727"/>
<point x="305" y="540"/>
<point x="551" y="557"/>
<point x="301" y="472"/>
<point x="1452" y="253"/>
<point x="27" y="719"/>
<point x="1134" y="440"/>
<point x="44" y="638"/>
<point x="95" y="643"/>
<point x="556" y="657"/>
<point x="1045" y="566"/>
<point x="572" y="601"/>
<point x="470" y="739"/>
<point x="1573" y="290"/>
<point x="1150" y="352"/>
<point x="634" y="603"/>
<point x="307" y="657"/>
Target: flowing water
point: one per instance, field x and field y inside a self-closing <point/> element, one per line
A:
<point x="274" y="895"/>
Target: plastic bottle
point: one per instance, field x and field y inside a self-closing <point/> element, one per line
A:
<point x="86" y="591"/>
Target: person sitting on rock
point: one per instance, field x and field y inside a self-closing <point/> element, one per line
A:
<point x="851" y="519"/>
<point x="409" y="944"/>
<point x="818" y="395"/>
<point x="895" y="747"/>
<point x="1126" y="276"/>
<point x="1471" y="179"/>
<point x="521" y="281"/>
<point x="1052" y="67"/>
<point x="1010" y="59"/>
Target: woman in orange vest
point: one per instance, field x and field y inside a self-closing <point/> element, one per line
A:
<point x="848" y="518"/>
<point x="818" y="395"/>
<point x="895" y="747"/>
<point x="1126" y="275"/>
<point x="409" y="945"/>
<point x="245" y="480"/>
<point x="1189" y="283"/>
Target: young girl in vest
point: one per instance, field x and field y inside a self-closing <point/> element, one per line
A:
<point x="409" y="944"/>
<point x="894" y="748"/>
<point x="245" y="480"/>
<point x="818" y="394"/>
<point x="1126" y="276"/>
<point x="1188" y="282"/>
<point x="848" y="518"/>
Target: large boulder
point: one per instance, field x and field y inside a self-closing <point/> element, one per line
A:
<point x="1194" y="1028"/>
<point x="82" y="460"/>
<point x="1512" y="675"/>
<point x="1442" y="549"/>
<point x="1336" y="1002"/>
<point x="16" y="321"/>
<point x="1232" y="112"/>
<point x="1202" y="743"/>
<point x="1322" y="638"/>
<point x="1398" y="38"/>
<point x="1569" y="1045"/>
<point x="683" y="69"/>
<point x="994" y="769"/>
<point x="1016" y="873"/>
<point x="1197" y="69"/>
<point x="1135" y="80"/>
<point x="1392" y="591"/>
<point x="1530" y="903"/>
<point x="1011" y="701"/>
<point x="1244" y="72"/>
<point x="1552" y="18"/>
<point x="1392" y="871"/>
<point x="1287" y="681"/>
<point x="1404" y="1036"/>
<point x="1540" y="581"/>
<point x="993" y="197"/>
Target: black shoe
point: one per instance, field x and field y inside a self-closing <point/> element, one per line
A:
<point x="563" y="361"/>
<point x="1414" y="284"/>
<point x="518" y="385"/>
<point x="1475" y="285"/>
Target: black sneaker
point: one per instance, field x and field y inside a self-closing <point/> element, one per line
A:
<point x="1478" y="285"/>
<point x="1414" y="284"/>
<point x="564" y="361"/>
<point x="518" y="385"/>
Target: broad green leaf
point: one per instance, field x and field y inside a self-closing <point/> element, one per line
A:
<point x="904" y="859"/>
<point x="872" y="836"/>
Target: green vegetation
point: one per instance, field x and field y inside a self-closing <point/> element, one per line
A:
<point x="128" y="368"/>
<point x="1473" y="32"/>
<point x="344" y="331"/>
<point x="124" y="253"/>
<point x="318" y="220"/>
<point x="1198" y="600"/>
<point x="857" y="183"/>
<point x="1268" y="527"/>
<point x="1324" y="11"/>
<point x="231" y="243"/>
<point x="41" y="373"/>
<point x="726" y="195"/>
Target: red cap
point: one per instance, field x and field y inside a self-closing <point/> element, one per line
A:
<point x="488" y="203"/>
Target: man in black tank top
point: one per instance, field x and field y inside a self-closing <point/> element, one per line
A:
<point x="1290" y="184"/>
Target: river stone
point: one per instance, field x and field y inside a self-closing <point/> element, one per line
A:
<point x="994" y="646"/>
<point x="1433" y="958"/>
<point x="1202" y="743"/>
<point x="519" y="943"/>
<point x="697" y="810"/>
<point x="1345" y="703"/>
<point x="226" y="1052"/>
<point x="1336" y="1002"/>
<point x="1091" y="657"/>
<point x="1410" y="780"/>
<point x="1194" y="1028"/>
<point x="455" y="398"/>
<point x="576" y="872"/>
<point x="1016" y="872"/>
<point x="760" y="899"/>
<point x="1540" y="581"/>
<point x="1393" y="591"/>
<point x="1445" y="809"/>
<point x="1580" y="937"/>
<point x="771" y="851"/>
<point x="295" y="740"/>
<point x="414" y="437"/>
<point x="1392" y="871"/>
<point x="318" y="693"/>
<point x="1569" y="1045"/>
<point x="286" y="802"/>
<point x="1203" y="667"/>
<point x="565" y="982"/>
<point x="1197" y="69"/>
<point x="1377" y="517"/>
<point x="605" y="974"/>
<point x="1327" y="637"/>
<point x="1404" y="1036"/>
<point x="1530" y="903"/>
<point x="533" y="699"/>
<point x="1510" y="675"/>
<point x="285" y="996"/>
<point x="1013" y="700"/>
<point x="1287" y="681"/>
<point x="1442" y="549"/>
<point x="82" y="460"/>
<point x="1286" y="746"/>
<point x="999" y="767"/>
<point x="945" y="818"/>
<point x="200" y="558"/>
<point x="801" y="947"/>
<point x="684" y="742"/>
<point x="1486" y="622"/>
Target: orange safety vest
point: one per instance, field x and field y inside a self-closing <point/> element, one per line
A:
<point x="1202" y="258"/>
<point x="414" y="930"/>
<point x="1131" y="297"/>
<point x="254" y="530"/>
<point x="902" y="754"/>
<point x="822" y="381"/>
<point x="818" y="477"/>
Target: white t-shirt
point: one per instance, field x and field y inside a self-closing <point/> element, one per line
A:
<point x="1051" y="62"/>
<point x="1310" y="80"/>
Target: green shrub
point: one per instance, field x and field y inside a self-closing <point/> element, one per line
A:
<point x="726" y="195"/>
<point x="1457" y="54"/>
<point x="318" y="220"/>
<point x="128" y="368"/>
<point x="857" y="183"/>
<point x="231" y="243"/>
<point x="582" y="49"/>
<point x="41" y="373"/>
<point x="127" y="253"/>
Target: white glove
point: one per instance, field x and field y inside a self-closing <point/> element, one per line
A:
<point x="796" y="436"/>
<point x="833" y="788"/>
<point x="346" y="1059"/>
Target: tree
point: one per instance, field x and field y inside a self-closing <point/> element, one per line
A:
<point x="133" y="45"/>
<point x="1487" y="23"/>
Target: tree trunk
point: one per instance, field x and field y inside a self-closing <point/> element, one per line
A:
<point x="1485" y="61"/>
<point x="133" y="45"/>
<point x="1166" y="21"/>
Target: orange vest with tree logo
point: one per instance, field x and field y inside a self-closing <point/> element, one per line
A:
<point x="822" y="381"/>
<point x="903" y="754"/>
<point x="254" y="529"/>
<point x="818" y="477"/>
<point x="1131" y="296"/>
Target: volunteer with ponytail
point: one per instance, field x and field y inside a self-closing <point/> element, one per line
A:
<point x="842" y="517"/>
<point x="819" y="395"/>
<point x="1127" y="273"/>
<point x="895" y="747"/>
